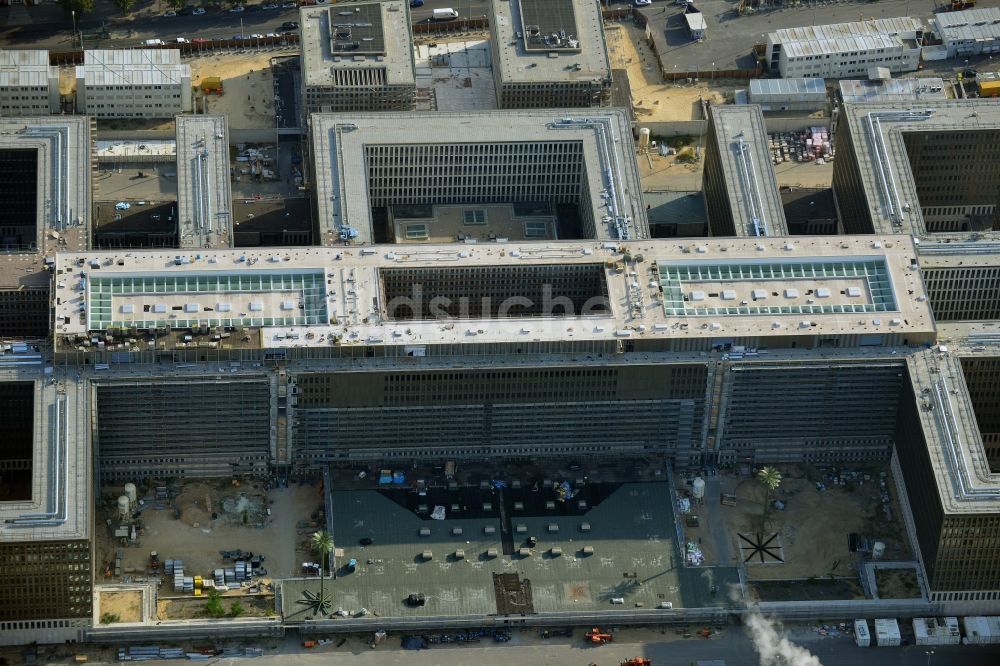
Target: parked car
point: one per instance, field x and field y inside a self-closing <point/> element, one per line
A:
<point x="643" y="3"/>
<point x="273" y="34"/>
<point x="198" y="11"/>
<point x="289" y="5"/>
<point x="237" y="9"/>
<point x="271" y="5"/>
<point x="256" y="35"/>
<point x="200" y="40"/>
<point x="183" y="40"/>
<point x="170" y="13"/>
<point x="416" y="3"/>
<point x="290" y="25"/>
<point x="253" y="8"/>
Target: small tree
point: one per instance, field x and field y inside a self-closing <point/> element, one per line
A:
<point x="110" y="618"/>
<point x="236" y="609"/>
<point x="81" y="7"/>
<point x="213" y="605"/>
<point x="125" y="6"/>
<point x="770" y="478"/>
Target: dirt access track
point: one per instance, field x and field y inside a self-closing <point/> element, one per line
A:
<point x="654" y="99"/>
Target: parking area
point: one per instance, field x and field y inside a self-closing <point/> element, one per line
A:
<point x="729" y="37"/>
<point x="131" y="182"/>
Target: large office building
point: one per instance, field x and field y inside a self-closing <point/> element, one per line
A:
<point x="549" y="54"/>
<point x="29" y="86"/>
<point x="204" y="187"/>
<point x="45" y="195"/>
<point x="46" y="522"/>
<point x="476" y="177"/>
<point x="133" y="83"/>
<point x="919" y="169"/>
<point x="357" y="56"/>
<point x="843" y="50"/>
<point x="741" y="194"/>
<point x="449" y="316"/>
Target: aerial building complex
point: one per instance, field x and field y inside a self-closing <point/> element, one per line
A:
<point x="357" y="57"/>
<point x="549" y="54"/>
<point x="485" y="291"/>
<point x="454" y="176"/>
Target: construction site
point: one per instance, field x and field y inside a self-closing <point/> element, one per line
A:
<point x="191" y="538"/>
<point x="730" y="518"/>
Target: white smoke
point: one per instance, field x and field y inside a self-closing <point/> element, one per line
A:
<point x="774" y="648"/>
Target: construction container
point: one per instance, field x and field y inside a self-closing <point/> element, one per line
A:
<point x="936" y="631"/>
<point x="861" y="634"/>
<point x="989" y="88"/>
<point x="981" y="630"/>
<point x="211" y="84"/>
<point x="887" y="632"/>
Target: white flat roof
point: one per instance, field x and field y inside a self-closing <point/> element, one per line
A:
<point x="204" y="189"/>
<point x="59" y="508"/>
<point x="965" y="482"/>
<point x="108" y="67"/>
<point x="891" y="291"/>
<point x="319" y="62"/>
<point x="29" y="67"/>
<point x="876" y="132"/>
<point x="518" y="63"/>
<point x="969" y="25"/>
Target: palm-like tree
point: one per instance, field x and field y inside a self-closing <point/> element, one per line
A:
<point x="322" y="545"/>
<point x="770" y="478"/>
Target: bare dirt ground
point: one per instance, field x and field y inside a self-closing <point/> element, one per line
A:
<point x="652" y="98"/>
<point x="814" y="525"/>
<point x="127" y="605"/>
<point x="668" y="173"/>
<point x="196" y="537"/>
<point x="248" y="85"/>
<point x="188" y="607"/>
<point x="897" y="583"/>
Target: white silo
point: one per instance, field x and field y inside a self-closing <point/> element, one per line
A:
<point x="644" y="138"/>
<point x="698" y="488"/>
<point x="131" y="493"/>
<point x="124" y="507"/>
<point x="878" y="550"/>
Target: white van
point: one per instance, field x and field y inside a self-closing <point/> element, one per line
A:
<point x="445" y="14"/>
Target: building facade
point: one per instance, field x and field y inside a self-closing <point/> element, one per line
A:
<point x="969" y="33"/>
<point x="29" y="86"/>
<point x="133" y="83"/>
<point x="844" y="50"/>
<point x="576" y="166"/>
<point x="549" y="54"/>
<point x="356" y="63"/>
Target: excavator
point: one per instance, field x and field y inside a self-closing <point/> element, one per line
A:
<point x="598" y="637"/>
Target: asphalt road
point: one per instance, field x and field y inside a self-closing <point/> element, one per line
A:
<point x="733" y="645"/>
<point x="46" y="26"/>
